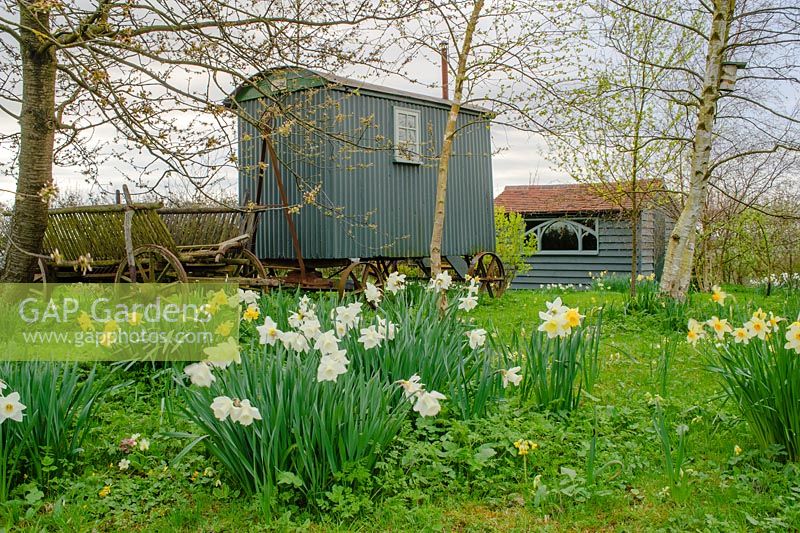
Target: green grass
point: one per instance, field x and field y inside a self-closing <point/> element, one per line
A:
<point x="448" y="474"/>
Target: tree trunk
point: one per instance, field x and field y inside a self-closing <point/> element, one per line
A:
<point x="37" y="132"/>
<point x="447" y="142"/>
<point x="680" y="250"/>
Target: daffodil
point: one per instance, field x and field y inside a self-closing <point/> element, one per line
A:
<point x="200" y="374"/>
<point x="243" y="412"/>
<point x="740" y="335"/>
<point x="372" y="294"/>
<point x="793" y="337"/>
<point x="222" y="406"/>
<point x="327" y="343"/>
<point x="293" y="340"/>
<point x="268" y="332"/>
<point x="311" y="328"/>
<point x="330" y="368"/>
<point x="386" y="328"/>
<point x="719" y="326"/>
<point x="556" y="307"/>
<point x="477" y="338"/>
<point x="441" y="282"/>
<point x="395" y="282"/>
<point x="224" y="328"/>
<point x="427" y="403"/>
<point x="511" y="376"/>
<point x="411" y="386"/>
<point x="370" y="337"/>
<point x="468" y="303"/>
<point x="756" y="327"/>
<point x="553" y="325"/>
<point x="11" y="408"/>
<point x="718" y="295"/>
<point x="573" y="317"/>
<point x="251" y="313"/>
<point x="695" y="331"/>
<point x="224" y="353"/>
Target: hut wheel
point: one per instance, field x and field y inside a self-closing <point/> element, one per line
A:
<point x="488" y="268"/>
<point x="355" y="277"/>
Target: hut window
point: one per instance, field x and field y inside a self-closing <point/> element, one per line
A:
<point x="406" y="135"/>
<point x="564" y="235"/>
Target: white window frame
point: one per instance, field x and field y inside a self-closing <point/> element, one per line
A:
<point x="580" y="230"/>
<point x="399" y="156"/>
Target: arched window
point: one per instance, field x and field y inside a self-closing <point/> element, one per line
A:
<point x="563" y="235"/>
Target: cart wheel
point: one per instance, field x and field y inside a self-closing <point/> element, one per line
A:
<point x="487" y="267"/>
<point x="154" y="264"/>
<point x="355" y="277"/>
<point x="253" y="269"/>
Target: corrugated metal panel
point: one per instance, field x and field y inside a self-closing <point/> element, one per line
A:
<point x="400" y="197"/>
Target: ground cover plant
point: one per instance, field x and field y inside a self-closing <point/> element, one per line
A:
<point x="643" y="428"/>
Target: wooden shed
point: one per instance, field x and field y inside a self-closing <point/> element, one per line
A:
<point x="580" y="231"/>
<point x="359" y="162"/>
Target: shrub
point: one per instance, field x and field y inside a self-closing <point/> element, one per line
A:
<point x="512" y="245"/>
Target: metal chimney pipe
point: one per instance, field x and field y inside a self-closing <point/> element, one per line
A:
<point x="445" y="71"/>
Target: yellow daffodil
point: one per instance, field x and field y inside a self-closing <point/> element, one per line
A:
<point x="251" y="313"/>
<point x="573" y="317"/>
<point x="760" y="314"/>
<point x="740" y="335"/>
<point x="224" y="329"/>
<point x="695" y="331"/>
<point x="718" y="295"/>
<point x="720" y="326"/>
<point x="756" y="327"/>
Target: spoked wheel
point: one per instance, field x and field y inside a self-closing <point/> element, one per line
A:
<point x="154" y="264"/>
<point x="487" y="267"/>
<point x="253" y="268"/>
<point x="355" y="277"/>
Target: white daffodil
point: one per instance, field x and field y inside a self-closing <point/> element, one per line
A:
<point x="311" y="328"/>
<point x="718" y="295"/>
<point x="441" y="282"/>
<point x="327" y="343"/>
<point x="244" y="413"/>
<point x="224" y="353"/>
<point x="373" y="294"/>
<point x="477" y="337"/>
<point x="306" y="304"/>
<point x="3" y="386"/>
<point x="468" y="303"/>
<point x="427" y="403"/>
<point x="553" y="325"/>
<point x="293" y="340"/>
<point x="387" y="329"/>
<point x="297" y="318"/>
<point x="248" y="297"/>
<point x="411" y="386"/>
<point x="200" y="374"/>
<point x="340" y="328"/>
<point x="556" y="307"/>
<point x="370" y="337"/>
<point x="11" y="408"/>
<point x="339" y="355"/>
<point x="474" y="286"/>
<point x="396" y="282"/>
<point x="740" y="335"/>
<point x="330" y="368"/>
<point x="222" y="406"/>
<point x="793" y="337"/>
<point x="348" y="315"/>
<point x="511" y="376"/>
<point x="268" y="333"/>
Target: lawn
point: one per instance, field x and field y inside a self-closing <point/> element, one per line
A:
<point x="599" y="467"/>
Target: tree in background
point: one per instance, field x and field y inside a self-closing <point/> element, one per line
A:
<point x="611" y="122"/>
<point x="151" y="76"/>
<point x="512" y="244"/>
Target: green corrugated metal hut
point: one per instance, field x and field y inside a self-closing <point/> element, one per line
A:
<point x="370" y="152"/>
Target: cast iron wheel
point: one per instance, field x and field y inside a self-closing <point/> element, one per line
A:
<point x="487" y="267"/>
<point x="355" y="277"/>
<point x="154" y="264"/>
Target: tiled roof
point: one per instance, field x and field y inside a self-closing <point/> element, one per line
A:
<point x="566" y="198"/>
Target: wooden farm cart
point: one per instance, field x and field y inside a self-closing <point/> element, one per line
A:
<point x="132" y="242"/>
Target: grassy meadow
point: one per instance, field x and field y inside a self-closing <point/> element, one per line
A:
<point x="602" y="467"/>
